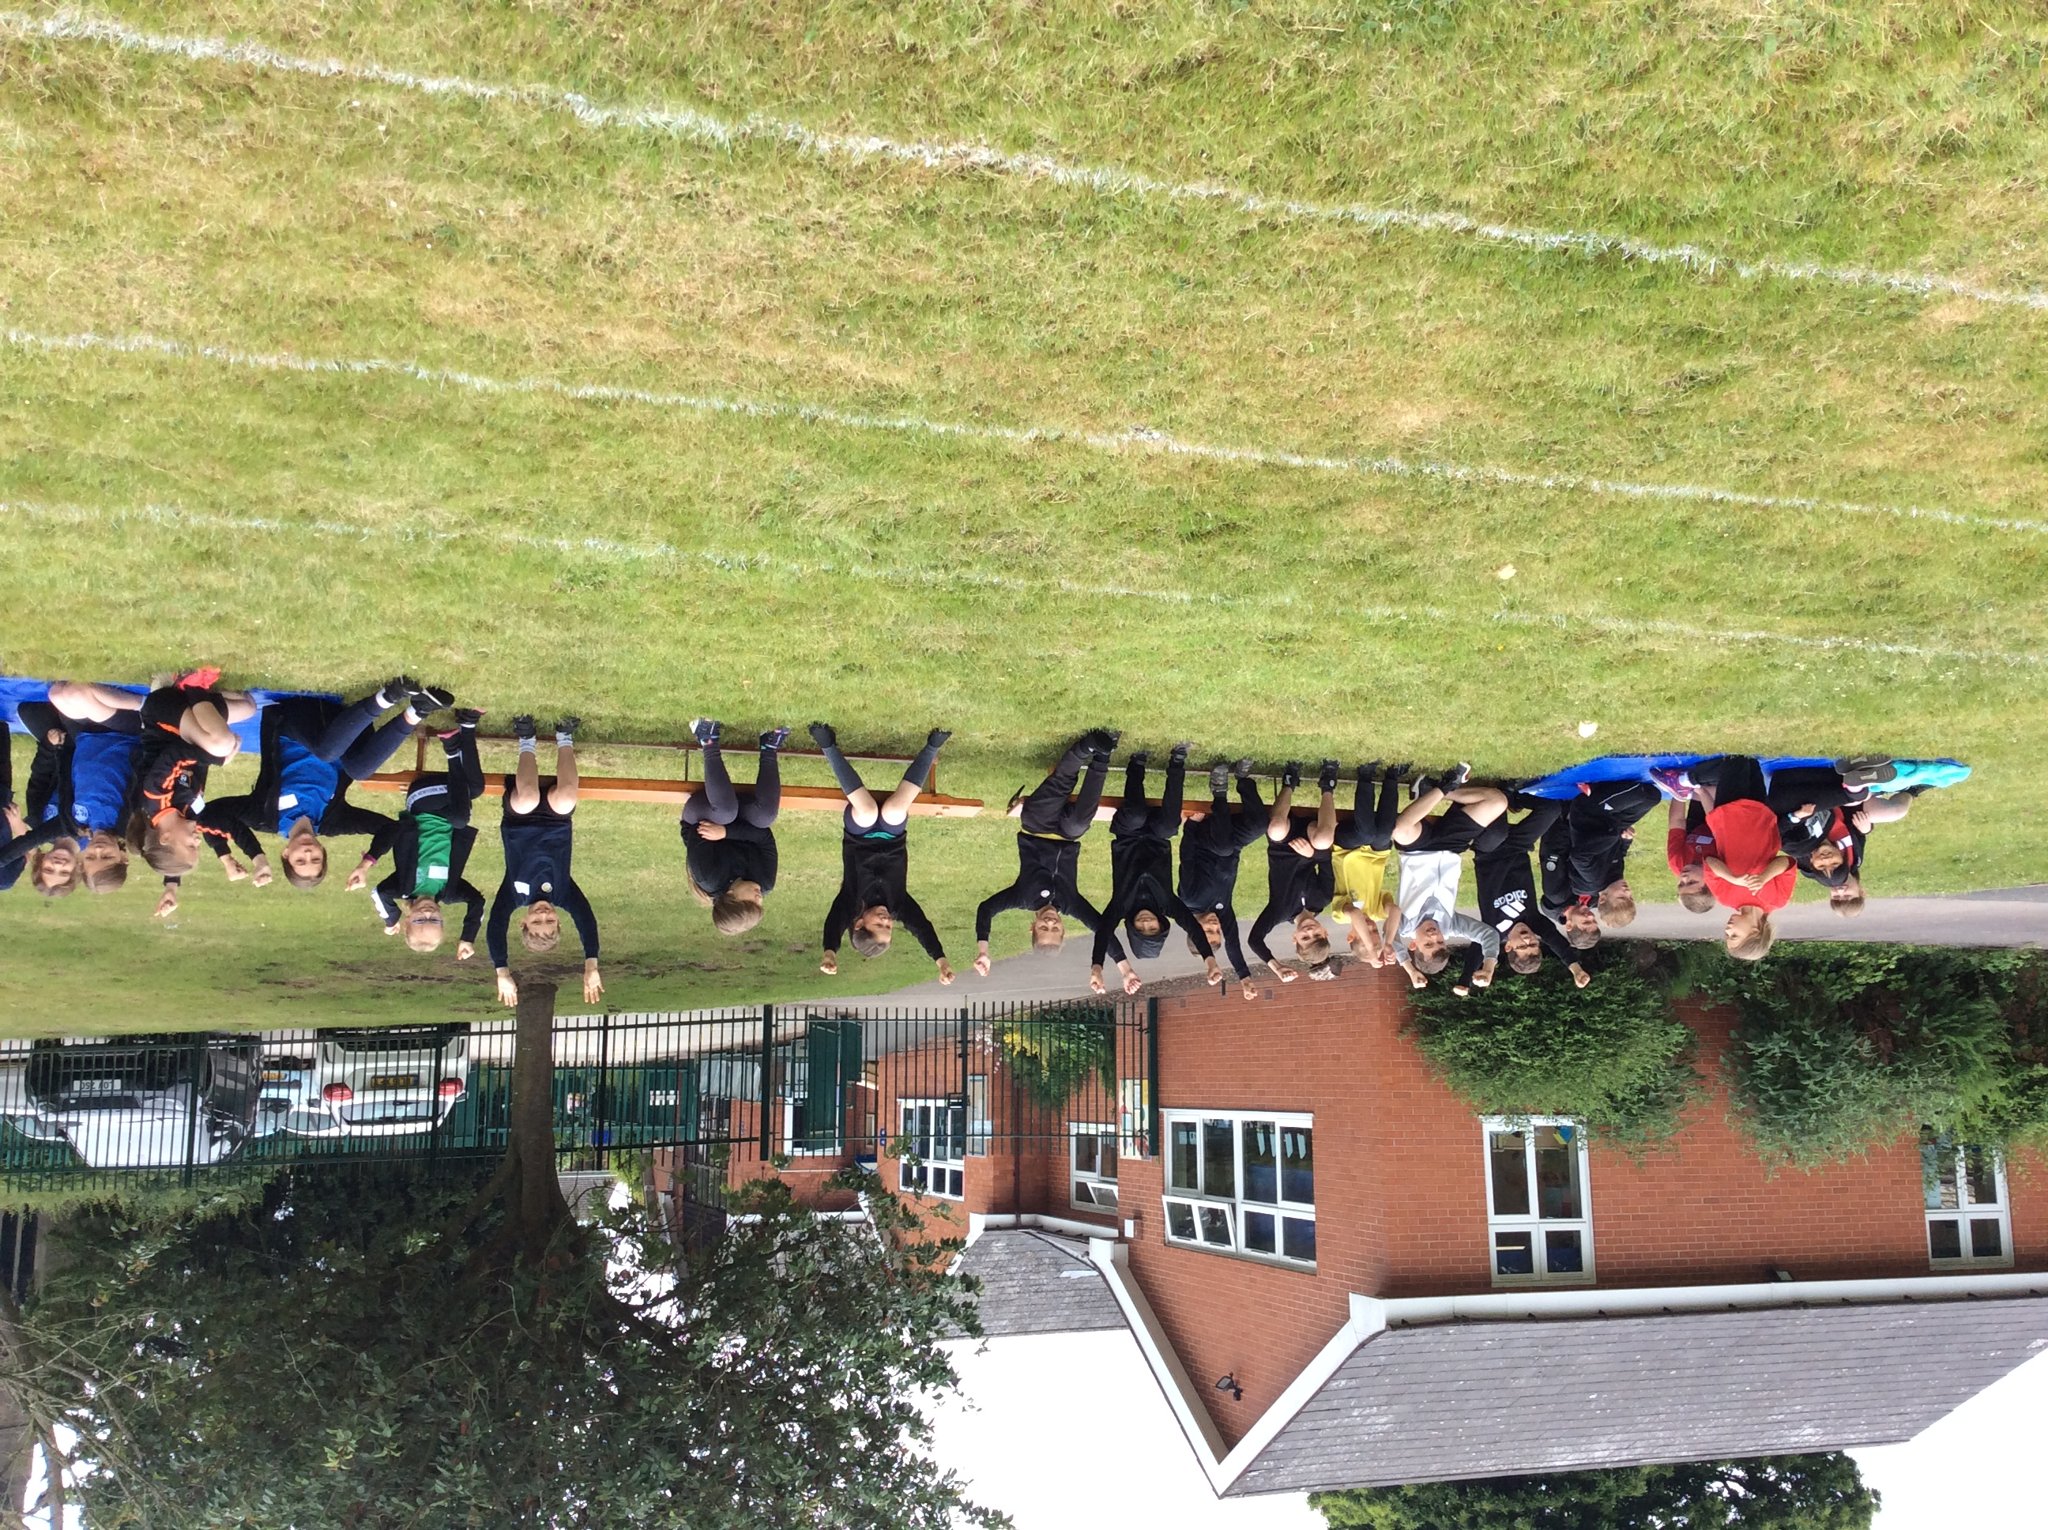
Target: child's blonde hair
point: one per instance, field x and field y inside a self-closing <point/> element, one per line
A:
<point x="424" y="935"/>
<point x="146" y="835"/>
<point x="734" y="915"/>
<point x="1617" y="909"/>
<point x="1697" y="899"/>
<point x="1756" y="945"/>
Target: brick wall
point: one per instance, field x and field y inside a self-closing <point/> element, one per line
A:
<point x="1401" y="1195"/>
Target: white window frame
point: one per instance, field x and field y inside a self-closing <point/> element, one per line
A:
<point x="1967" y="1211"/>
<point x="1534" y="1223"/>
<point x="1085" y="1184"/>
<point x="1233" y="1207"/>
<point x="929" y="1176"/>
<point x="792" y="1139"/>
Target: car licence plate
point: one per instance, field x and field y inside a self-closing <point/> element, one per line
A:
<point x="394" y="1081"/>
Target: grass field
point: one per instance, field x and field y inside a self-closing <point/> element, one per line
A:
<point x="641" y="560"/>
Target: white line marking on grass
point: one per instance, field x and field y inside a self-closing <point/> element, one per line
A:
<point x="68" y="25"/>
<point x="1137" y="439"/>
<point x="607" y="549"/>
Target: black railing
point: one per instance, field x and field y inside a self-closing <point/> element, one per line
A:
<point x="803" y="1081"/>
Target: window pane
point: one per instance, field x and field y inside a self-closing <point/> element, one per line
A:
<point x="956" y="1184"/>
<point x="1259" y="1232"/>
<point x="1216" y="1226"/>
<point x="1508" y="1163"/>
<point x="1938" y="1175"/>
<point x="1298" y="1238"/>
<point x="1945" y="1238"/>
<point x="1084" y="1153"/>
<point x="1298" y="1165"/>
<point x="1986" y="1239"/>
<point x="978" y="1125"/>
<point x="1513" y="1254"/>
<point x="1219" y="1158"/>
<point x="1180" y="1220"/>
<point x="1561" y="1252"/>
<point x="1185" y="1175"/>
<point x="1557" y="1173"/>
<point x="1261" y="1170"/>
<point x="1105" y="1155"/>
<point x="1081" y="1195"/>
<point x="1981" y="1176"/>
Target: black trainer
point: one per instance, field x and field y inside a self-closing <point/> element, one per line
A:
<point x="1139" y="757"/>
<point x="774" y="738"/>
<point x="1219" y="778"/>
<point x="565" y="727"/>
<point x="1456" y="776"/>
<point x="1178" y="754"/>
<point x="398" y="688"/>
<point x="1290" y="774"/>
<point x="705" y="729"/>
<point x="1399" y="772"/>
<point x="468" y="717"/>
<point x="431" y="698"/>
<point x="936" y="739"/>
<point x="522" y="726"/>
<point x="1326" y="776"/>
<point x="823" y="735"/>
<point x="1367" y="772"/>
<point x="1242" y="768"/>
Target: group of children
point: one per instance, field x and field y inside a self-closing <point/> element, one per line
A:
<point x="119" y="774"/>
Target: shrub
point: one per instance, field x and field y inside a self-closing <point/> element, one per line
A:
<point x="1612" y="1055"/>
<point x="1053" y="1053"/>
<point x="1845" y="1047"/>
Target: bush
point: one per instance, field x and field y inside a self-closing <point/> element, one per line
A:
<point x="1612" y="1055"/>
<point x="1846" y="1047"/>
<point x="1055" y="1052"/>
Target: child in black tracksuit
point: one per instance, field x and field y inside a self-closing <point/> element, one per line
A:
<point x="1210" y="849"/>
<point x="431" y="849"/>
<point x="187" y="728"/>
<point x="1051" y="826"/>
<point x="1507" y="892"/>
<point x="729" y="841"/>
<point x="1585" y="858"/>
<point x="1300" y="879"/>
<point x="538" y="834"/>
<point x="1141" y="895"/>
<point x="874" y="860"/>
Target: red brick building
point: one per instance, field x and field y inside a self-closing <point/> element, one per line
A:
<point x="1315" y="1190"/>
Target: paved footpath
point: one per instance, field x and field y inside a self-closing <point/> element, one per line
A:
<point x="2016" y="916"/>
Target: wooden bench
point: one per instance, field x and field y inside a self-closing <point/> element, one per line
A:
<point x="802" y="799"/>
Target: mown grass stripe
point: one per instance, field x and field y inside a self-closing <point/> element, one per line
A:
<point x="612" y="550"/>
<point x="1137" y="439"/>
<point x="68" y="25"/>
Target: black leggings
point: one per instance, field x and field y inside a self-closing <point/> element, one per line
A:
<point x="464" y="780"/>
<point x="720" y="803"/>
<point x="1734" y="778"/>
<point x="1225" y="833"/>
<point x="346" y="736"/>
<point x="1374" y="830"/>
<point x="1136" y="818"/>
<point x="1047" y="810"/>
<point x="1820" y="785"/>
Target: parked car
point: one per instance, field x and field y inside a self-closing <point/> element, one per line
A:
<point x="367" y="1083"/>
<point x="145" y="1102"/>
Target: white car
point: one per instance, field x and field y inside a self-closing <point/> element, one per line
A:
<point x="144" y="1102"/>
<point x="367" y="1083"/>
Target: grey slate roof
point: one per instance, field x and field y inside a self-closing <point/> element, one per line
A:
<point x="1035" y="1282"/>
<point x="1485" y="1399"/>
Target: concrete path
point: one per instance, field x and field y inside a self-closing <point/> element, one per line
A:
<point x="2015" y="916"/>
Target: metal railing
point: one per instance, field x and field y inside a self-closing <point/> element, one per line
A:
<point x="776" y="1083"/>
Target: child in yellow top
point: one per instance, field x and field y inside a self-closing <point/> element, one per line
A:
<point x="1363" y="865"/>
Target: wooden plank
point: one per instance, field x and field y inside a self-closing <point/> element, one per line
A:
<point x="802" y="799"/>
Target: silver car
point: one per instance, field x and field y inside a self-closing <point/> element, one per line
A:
<point x="367" y="1083"/>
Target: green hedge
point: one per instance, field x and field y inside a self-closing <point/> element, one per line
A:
<point x="1612" y="1055"/>
<point x="1845" y="1047"/>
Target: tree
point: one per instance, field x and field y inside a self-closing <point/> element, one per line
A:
<point x="1812" y="1492"/>
<point x="391" y="1352"/>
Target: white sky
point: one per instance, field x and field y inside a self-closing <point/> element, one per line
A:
<point x="1069" y="1432"/>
